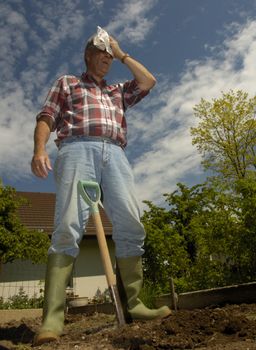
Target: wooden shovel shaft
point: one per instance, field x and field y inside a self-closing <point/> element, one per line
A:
<point x="104" y="249"/>
<point x="107" y="265"/>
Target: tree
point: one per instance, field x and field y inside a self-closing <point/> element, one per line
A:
<point x="203" y="217"/>
<point x="16" y="241"/>
<point x="226" y="137"/>
<point x="216" y="231"/>
<point x="165" y="254"/>
<point x="186" y="203"/>
<point x="226" y="134"/>
<point x="202" y="238"/>
<point x="176" y="242"/>
<point x="246" y="202"/>
<point x="205" y="237"/>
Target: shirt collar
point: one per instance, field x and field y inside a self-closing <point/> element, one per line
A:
<point x="87" y="78"/>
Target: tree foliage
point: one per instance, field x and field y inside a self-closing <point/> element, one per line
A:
<point x="165" y="253"/>
<point x="205" y="235"/>
<point x="201" y="239"/>
<point x="226" y="134"/>
<point x="16" y="241"/>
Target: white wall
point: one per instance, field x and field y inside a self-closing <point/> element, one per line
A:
<point x="88" y="273"/>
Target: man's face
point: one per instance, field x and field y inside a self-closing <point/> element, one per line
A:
<point x="98" y="61"/>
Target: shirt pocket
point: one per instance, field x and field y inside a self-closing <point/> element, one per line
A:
<point x="77" y="98"/>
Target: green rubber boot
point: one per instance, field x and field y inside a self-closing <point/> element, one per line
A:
<point x="129" y="275"/>
<point x="59" y="269"/>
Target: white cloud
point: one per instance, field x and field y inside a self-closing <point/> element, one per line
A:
<point x="27" y="48"/>
<point x="98" y="4"/>
<point x="161" y="127"/>
<point x="15" y="133"/>
<point x="132" y="23"/>
<point x="36" y="43"/>
<point x="13" y="29"/>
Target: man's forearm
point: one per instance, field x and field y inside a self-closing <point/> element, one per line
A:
<point x="41" y="135"/>
<point x="143" y="77"/>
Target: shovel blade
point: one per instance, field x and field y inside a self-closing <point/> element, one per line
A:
<point x="118" y="306"/>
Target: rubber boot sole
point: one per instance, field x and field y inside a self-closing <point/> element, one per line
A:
<point x="45" y="337"/>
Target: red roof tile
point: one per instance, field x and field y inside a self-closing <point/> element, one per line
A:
<point x="38" y="213"/>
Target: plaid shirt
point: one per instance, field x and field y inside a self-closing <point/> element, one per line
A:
<point x="82" y="107"/>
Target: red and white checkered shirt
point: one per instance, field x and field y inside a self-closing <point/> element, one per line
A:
<point x="79" y="106"/>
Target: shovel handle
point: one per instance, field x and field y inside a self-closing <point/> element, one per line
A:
<point x="83" y="187"/>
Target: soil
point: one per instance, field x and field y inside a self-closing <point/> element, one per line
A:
<point x="223" y="328"/>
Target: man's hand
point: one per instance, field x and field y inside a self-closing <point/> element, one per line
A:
<point x="41" y="164"/>
<point x="117" y="51"/>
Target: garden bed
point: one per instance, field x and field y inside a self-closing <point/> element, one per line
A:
<point x="231" y="327"/>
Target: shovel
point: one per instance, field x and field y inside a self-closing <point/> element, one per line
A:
<point x="90" y="192"/>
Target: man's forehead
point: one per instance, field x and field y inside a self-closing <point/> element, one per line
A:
<point x="96" y="50"/>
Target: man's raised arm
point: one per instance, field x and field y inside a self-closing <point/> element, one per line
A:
<point x="143" y="77"/>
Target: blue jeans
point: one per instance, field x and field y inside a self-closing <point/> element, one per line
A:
<point x="85" y="158"/>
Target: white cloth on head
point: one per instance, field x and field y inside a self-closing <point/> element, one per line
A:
<point x="101" y="40"/>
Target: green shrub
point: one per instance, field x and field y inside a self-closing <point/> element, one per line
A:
<point x="22" y="301"/>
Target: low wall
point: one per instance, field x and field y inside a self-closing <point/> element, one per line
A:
<point x="235" y="294"/>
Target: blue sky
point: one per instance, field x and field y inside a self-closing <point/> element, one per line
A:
<point x="195" y="48"/>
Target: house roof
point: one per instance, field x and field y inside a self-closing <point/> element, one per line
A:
<point x="38" y="213"/>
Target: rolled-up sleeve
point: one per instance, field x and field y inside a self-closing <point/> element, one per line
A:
<point x="54" y="102"/>
<point x="132" y="94"/>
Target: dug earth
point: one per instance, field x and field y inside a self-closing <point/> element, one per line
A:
<point x="217" y="328"/>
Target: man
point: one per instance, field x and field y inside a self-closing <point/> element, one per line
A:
<point x="88" y="116"/>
